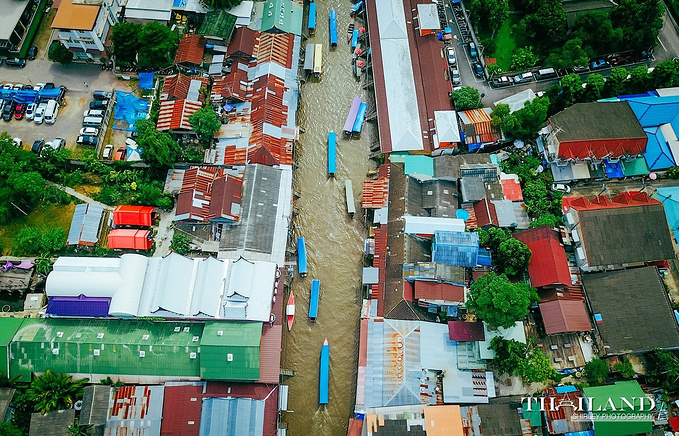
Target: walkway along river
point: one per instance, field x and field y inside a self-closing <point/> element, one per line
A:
<point x="334" y="241"/>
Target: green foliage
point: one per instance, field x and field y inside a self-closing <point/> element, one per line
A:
<point x="512" y="257"/>
<point x="43" y="265"/>
<point x="615" y="81"/>
<point x="597" y="371"/>
<point x="205" y="123"/>
<point x="499" y="302"/>
<point x="23" y="406"/>
<point x="662" y="369"/>
<point x="60" y="54"/>
<point x="493" y="237"/>
<point x="524" y="58"/>
<point x="523" y="123"/>
<point x="538" y="200"/>
<point x="525" y="167"/>
<point x="489" y="46"/>
<point x="639" y="21"/>
<point x="9" y="429"/>
<point x="595" y="86"/>
<point x="159" y="45"/>
<point x="494" y="69"/>
<point x="125" y="41"/>
<point x="36" y="241"/>
<point x="516" y="358"/>
<point x="215" y="4"/>
<point x="52" y="391"/>
<point x="570" y="55"/>
<point x="159" y="149"/>
<point x="546" y="25"/>
<point x="181" y="243"/>
<point x="466" y="98"/>
<point x="596" y="31"/>
<point x="489" y="13"/>
<point x="625" y="369"/>
<point x="546" y="219"/>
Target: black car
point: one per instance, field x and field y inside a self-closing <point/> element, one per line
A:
<point x="8" y="111"/>
<point x="15" y="62"/>
<point x="478" y="70"/>
<point x="99" y="104"/>
<point x="1" y="60"/>
<point x="49" y="85"/>
<point x="37" y="146"/>
<point x="101" y="95"/>
<point x="32" y="53"/>
<point x="87" y="140"/>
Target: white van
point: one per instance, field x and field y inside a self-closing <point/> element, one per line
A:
<point x="92" y="121"/>
<point x="51" y="112"/>
<point x="546" y="73"/>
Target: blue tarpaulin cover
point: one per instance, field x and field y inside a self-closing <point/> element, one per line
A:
<point x="146" y="80"/>
<point x="613" y="169"/>
<point x="129" y="109"/>
<point x="565" y="389"/>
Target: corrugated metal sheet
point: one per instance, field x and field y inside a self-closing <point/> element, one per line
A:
<point x="177" y="87"/>
<point x="465" y="331"/>
<point x="133" y="216"/>
<point x="456" y="248"/>
<point x="181" y="410"/>
<point x="174" y="114"/>
<point x="135" y="411"/>
<point x="85" y="224"/>
<point x="133" y="239"/>
<point x="230" y="351"/>
<point x="232" y="417"/>
<point x="561" y="316"/>
<point x="270" y="353"/>
<point x="190" y="50"/>
<point x="439" y="291"/>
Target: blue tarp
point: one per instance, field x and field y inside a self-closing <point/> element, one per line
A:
<point x="354" y="38"/>
<point x="146" y="80"/>
<point x="565" y="389"/>
<point x="613" y="169"/>
<point x="129" y="109"/>
<point x="313" y="299"/>
<point x="29" y="95"/>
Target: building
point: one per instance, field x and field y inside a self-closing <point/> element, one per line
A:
<point x="478" y="131"/>
<point x="141" y="216"/>
<point x="83" y="26"/>
<point x="132" y="239"/>
<point x="669" y="197"/>
<point x="181" y="87"/>
<point x="442" y="420"/>
<point x="517" y="101"/>
<point x="218" y="26"/>
<point x="56" y="423"/>
<point x="86" y="224"/>
<point x="626" y="322"/>
<point x="17" y="18"/>
<point x="626" y="230"/>
<point x="144" y="11"/>
<point x="548" y="265"/>
<point x="209" y="195"/>
<point x="603" y="396"/>
<point x="456" y="248"/>
<point x="282" y="16"/>
<point x="190" y="51"/>
<point x="243" y="43"/>
<point x="658" y="117"/>
<point x="447" y="130"/>
<point x="560" y="421"/>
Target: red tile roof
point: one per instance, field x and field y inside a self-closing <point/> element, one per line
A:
<point x="511" y="188"/>
<point x="177" y="87"/>
<point x="430" y="290"/>
<point x="190" y="50"/>
<point x="181" y="410"/>
<point x="174" y="114"/>
<point x="624" y="199"/>
<point x="561" y="316"/>
<point x="207" y="193"/>
<point x="465" y="331"/>
<point x="548" y="265"/>
<point x="268" y="108"/>
<point x="133" y="216"/>
<point x="242" y="43"/>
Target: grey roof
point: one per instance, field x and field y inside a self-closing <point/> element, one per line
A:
<point x="615" y="236"/>
<point x="53" y="423"/>
<point x="95" y="405"/>
<point x="607" y="120"/>
<point x="438" y="271"/>
<point x="635" y="311"/>
<point x="370" y="275"/>
<point x="416" y="249"/>
<point x="11" y="13"/>
<point x="500" y="417"/>
<point x="232" y="417"/>
<point x="472" y="189"/>
<point x="435" y="198"/>
<point x="517" y="101"/>
<point x="85" y="224"/>
<point x="511" y="214"/>
<point x="449" y="166"/>
<point x="6" y="395"/>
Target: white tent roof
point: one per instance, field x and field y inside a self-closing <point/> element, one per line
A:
<point x="428" y="225"/>
<point x="518" y="100"/>
<point x="159" y="10"/>
<point x="447" y="128"/>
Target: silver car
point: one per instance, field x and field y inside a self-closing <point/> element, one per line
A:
<point x="39" y="116"/>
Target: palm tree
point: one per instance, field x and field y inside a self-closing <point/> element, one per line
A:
<point x="52" y="391"/>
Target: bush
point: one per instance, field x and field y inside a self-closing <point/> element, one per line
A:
<point x="489" y="46"/>
<point x="597" y="371"/>
<point x="181" y="243"/>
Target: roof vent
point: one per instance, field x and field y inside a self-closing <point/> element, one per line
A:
<point x="229" y="357"/>
<point x="60" y="334"/>
<point x="177" y="329"/>
<point x="145" y="337"/>
<point x="100" y="335"/>
<point x="195" y="338"/>
<point x="187" y="329"/>
<point x="193" y="355"/>
<point x="55" y="351"/>
<point x="97" y="352"/>
<point x="220" y="332"/>
<point x="142" y="353"/>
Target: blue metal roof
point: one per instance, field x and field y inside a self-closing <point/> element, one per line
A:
<point x="669" y="197"/>
<point x="324" y="376"/>
<point x="565" y="389"/>
<point x="333" y="27"/>
<point x="232" y="417"/>
<point x="360" y="117"/>
<point x="658" y="154"/>
<point x="653" y="111"/>
<point x="301" y="256"/>
<point x="456" y="248"/>
<point x="312" y="16"/>
<point x="332" y="153"/>
<point x="484" y="257"/>
<point x="613" y="169"/>
<point x="313" y="299"/>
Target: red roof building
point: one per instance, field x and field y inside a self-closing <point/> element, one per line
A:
<point x="484" y="214"/>
<point x="208" y="194"/>
<point x="243" y="43"/>
<point x="181" y="410"/>
<point x="562" y="316"/>
<point x="177" y="86"/>
<point x="191" y="49"/>
<point x="466" y="331"/>
<point x="132" y="239"/>
<point x="233" y="87"/>
<point x="133" y="216"/>
<point x="376" y="192"/>
<point x="174" y="114"/>
<point x="438" y="291"/>
<point x="548" y="265"/>
<point x="477" y="127"/>
<point x="275" y="47"/>
<point x="511" y="188"/>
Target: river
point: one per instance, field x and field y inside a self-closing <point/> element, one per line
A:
<point x="334" y="241"/>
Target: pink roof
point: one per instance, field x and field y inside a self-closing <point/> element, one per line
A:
<point x="561" y="316"/>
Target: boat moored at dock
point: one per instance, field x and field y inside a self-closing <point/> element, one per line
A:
<point x="312" y="18"/>
<point x="290" y="311"/>
<point x="360" y="118"/>
<point x="349" y="193"/>
<point x="313" y="299"/>
<point x="332" y="154"/>
<point x="324" y="376"/>
<point x="318" y="60"/>
<point x="351" y="117"/>
<point x="333" y="28"/>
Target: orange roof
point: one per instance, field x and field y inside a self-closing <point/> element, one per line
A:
<point x="133" y="239"/>
<point x="443" y="420"/>
<point x="75" y="17"/>
<point x="190" y="50"/>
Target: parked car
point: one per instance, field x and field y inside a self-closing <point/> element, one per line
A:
<point x="89" y="131"/>
<point x="523" y="78"/>
<point x="26" y="87"/>
<point x="32" y="53"/>
<point x="15" y="62"/>
<point x="87" y="140"/>
<point x="18" y="87"/>
<point x="102" y="95"/>
<point x="580" y="68"/>
<point x="39" y="116"/>
<point x="37" y="146"/>
<point x="38" y="86"/>
<point x="99" y="104"/>
<point x="58" y="143"/>
<point x="8" y="110"/>
<point x="94" y="113"/>
<point x="601" y="63"/>
<point x="502" y="81"/>
<point x="108" y="151"/>
<point x="19" y="111"/>
<point x="121" y="154"/>
<point x="478" y="70"/>
<point x="7" y="86"/>
<point x="1" y="60"/>
<point x="455" y="75"/>
<point x="17" y="142"/>
<point x="561" y="187"/>
<point x="30" y="111"/>
<point x="49" y="85"/>
<point x="472" y="50"/>
<point x="451" y="56"/>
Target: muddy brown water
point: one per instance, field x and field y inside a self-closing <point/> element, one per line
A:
<point x="334" y="240"/>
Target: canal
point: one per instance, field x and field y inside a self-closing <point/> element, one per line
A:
<point x="334" y="240"/>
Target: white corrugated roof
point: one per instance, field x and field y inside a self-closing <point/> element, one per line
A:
<point x="428" y="225"/>
<point x="447" y="128"/>
<point x="429" y="17"/>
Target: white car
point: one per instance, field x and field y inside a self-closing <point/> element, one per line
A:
<point x="561" y="188"/>
<point x="94" y="113"/>
<point x="38" y="86"/>
<point x="39" y="116"/>
<point x="451" y="56"/>
<point x="7" y="86"/>
<point x="18" y="87"/>
<point x="89" y="131"/>
<point x="456" y="76"/>
<point x="17" y="142"/>
<point x="108" y="152"/>
<point x="30" y="111"/>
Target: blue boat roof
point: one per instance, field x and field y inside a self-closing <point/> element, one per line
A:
<point x="301" y="256"/>
<point x="360" y="117"/>
<point x="324" y="376"/>
<point x="332" y="153"/>
<point x="354" y="38"/>
<point x="333" y="27"/>
<point x="313" y="299"/>
<point x="312" y="15"/>
<point x="565" y="389"/>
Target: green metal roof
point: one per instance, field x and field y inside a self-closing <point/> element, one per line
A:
<point x="637" y="167"/>
<point x="7" y="332"/>
<point x="121" y="347"/>
<point x="218" y="23"/>
<point x="534" y="415"/>
<point x="601" y="395"/>
<point x="282" y="15"/>
<point x="230" y="351"/>
<point x="420" y="165"/>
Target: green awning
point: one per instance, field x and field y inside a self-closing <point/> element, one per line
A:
<point x="636" y="167"/>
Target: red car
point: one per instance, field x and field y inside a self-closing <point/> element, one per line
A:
<point x="19" y="111"/>
<point x="121" y="154"/>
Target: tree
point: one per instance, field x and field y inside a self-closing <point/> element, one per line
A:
<point x="125" y="41"/>
<point x="615" y="82"/>
<point x="466" y="98"/>
<point x="160" y="45"/>
<point x="523" y="58"/>
<point x="493" y="237"/>
<point x="9" y="429"/>
<point x="596" y="31"/>
<point x="497" y="12"/>
<point x="625" y="369"/>
<point x="181" y="243"/>
<point x="639" y="21"/>
<point x="499" y="302"/>
<point x="538" y="200"/>
<point x="516" y="358"/>
<point x="513" y="257"/>
<point x="665" y="74"/>
<point x="595" y="86"/>
<point x="570" y="55"/>
<point x="27" y="188"/>
<point x="52" y="391"/>
<point x="571" y="87"/>
<point x="597" y="371"/>
<point x="59" y="53"/>
<point x="158" y="148"/>
<point x="638" y="79"/>
<point x="216" y="4"/>
<point x="493" y="69"/>
<point x="36" y="241"/>
<point x="662" y="369"/>
<point x="546" y="219"/>
<point x="527" y="121"/>
<point x="547" y="26"/>
<point x="205" y="123"/>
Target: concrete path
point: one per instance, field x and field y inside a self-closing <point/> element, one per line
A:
<point x="165" y="233"/>
<point x="72" y="192"/>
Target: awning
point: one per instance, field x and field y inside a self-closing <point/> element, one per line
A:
<point x="613" y="169"/>
<point x="636" y="167"/>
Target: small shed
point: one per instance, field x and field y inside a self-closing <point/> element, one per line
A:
<point x="447" y="129"/>
<point x="86" y="224"/>
<point x="133" y="216"/>
<point x="429" y="18"/>
<point x="133" y="239"/>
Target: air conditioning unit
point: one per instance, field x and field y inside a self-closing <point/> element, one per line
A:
<point x="193" y="355"/>
<point x="97" y="352"/>
<point x="142" y="353"/>
<point x="55" y="351"/>
<point x="229" y="357"/>
<point x="195" y="338"/>
<point x="177" y="329"/>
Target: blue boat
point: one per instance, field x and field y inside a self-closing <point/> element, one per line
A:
<point x="313" y="299"/>
<point x="356" y="8"/>
<point x="324" y="378"/>
<point x="332" y="153"/>
<point x="354" y="39"/>
<point x="351" y="118"/>
<point x="312" y="17"/>
<point x="360" y="117"/>
<point x="333" y="28"/>
<point x="301" y="257"/>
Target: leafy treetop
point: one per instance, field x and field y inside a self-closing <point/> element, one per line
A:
<point x="499" y="302"/>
